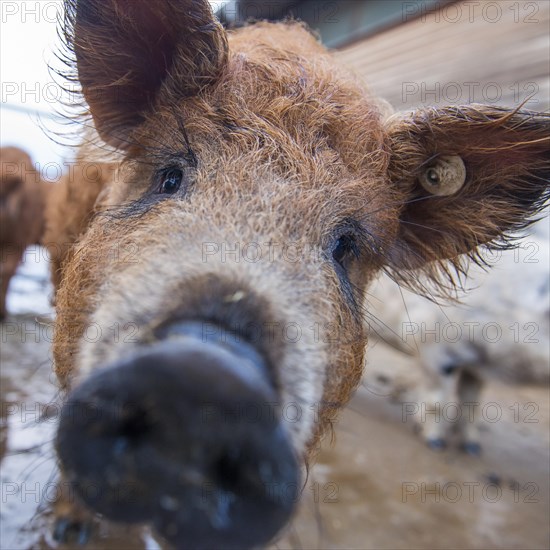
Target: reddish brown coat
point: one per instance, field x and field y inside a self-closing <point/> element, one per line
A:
<point x="22" y="201"/>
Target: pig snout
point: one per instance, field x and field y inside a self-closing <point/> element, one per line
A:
<point x="184" y="435"/>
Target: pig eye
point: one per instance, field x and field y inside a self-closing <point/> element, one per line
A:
<point x="345" y="249"/>
<point x="170" y="181"/>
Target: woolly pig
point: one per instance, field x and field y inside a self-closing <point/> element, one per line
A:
<point x="257" y="190"/>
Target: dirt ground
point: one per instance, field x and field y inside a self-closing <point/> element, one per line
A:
<point x="375" y="486"/>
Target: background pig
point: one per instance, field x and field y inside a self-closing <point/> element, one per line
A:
<point x="227" y="142"/>
<point x="22" y="203"/>
<point x="500" y="328"/>
<point x="71" y="204"/>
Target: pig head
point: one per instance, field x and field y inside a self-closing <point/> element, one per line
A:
<point x="258" y="190"/>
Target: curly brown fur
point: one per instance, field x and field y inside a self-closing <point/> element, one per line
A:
<point x="276" y="144"/>
<point x="271" y="106"/>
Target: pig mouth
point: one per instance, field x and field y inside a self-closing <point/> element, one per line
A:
<point x="186" y="436"/>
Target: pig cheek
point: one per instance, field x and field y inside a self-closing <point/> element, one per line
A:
<point x="102" y="268"/>
<point x="79" y="291"/>
<point x="346" y="340"/>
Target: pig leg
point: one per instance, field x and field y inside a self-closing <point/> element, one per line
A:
<point x="10" y="258"/>
<point x="441" y="390"/>
<point x="469" y="389"/>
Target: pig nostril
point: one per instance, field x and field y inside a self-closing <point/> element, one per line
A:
<point x="228" y="473"/>
<point x="135" y="424"/>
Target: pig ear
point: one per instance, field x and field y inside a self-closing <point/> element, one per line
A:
<point x="126" y="49"/>
<point x="469" y="175"/>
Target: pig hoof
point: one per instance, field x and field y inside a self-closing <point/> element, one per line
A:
<point x="436" y="443"/>
<point x="67" y="531"/>
<point x="472" y="448"/>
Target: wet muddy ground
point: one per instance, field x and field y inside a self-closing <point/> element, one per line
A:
<point x="375" y="486"/>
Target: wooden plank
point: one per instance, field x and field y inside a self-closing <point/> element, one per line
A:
<point x="513" y="55"/>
